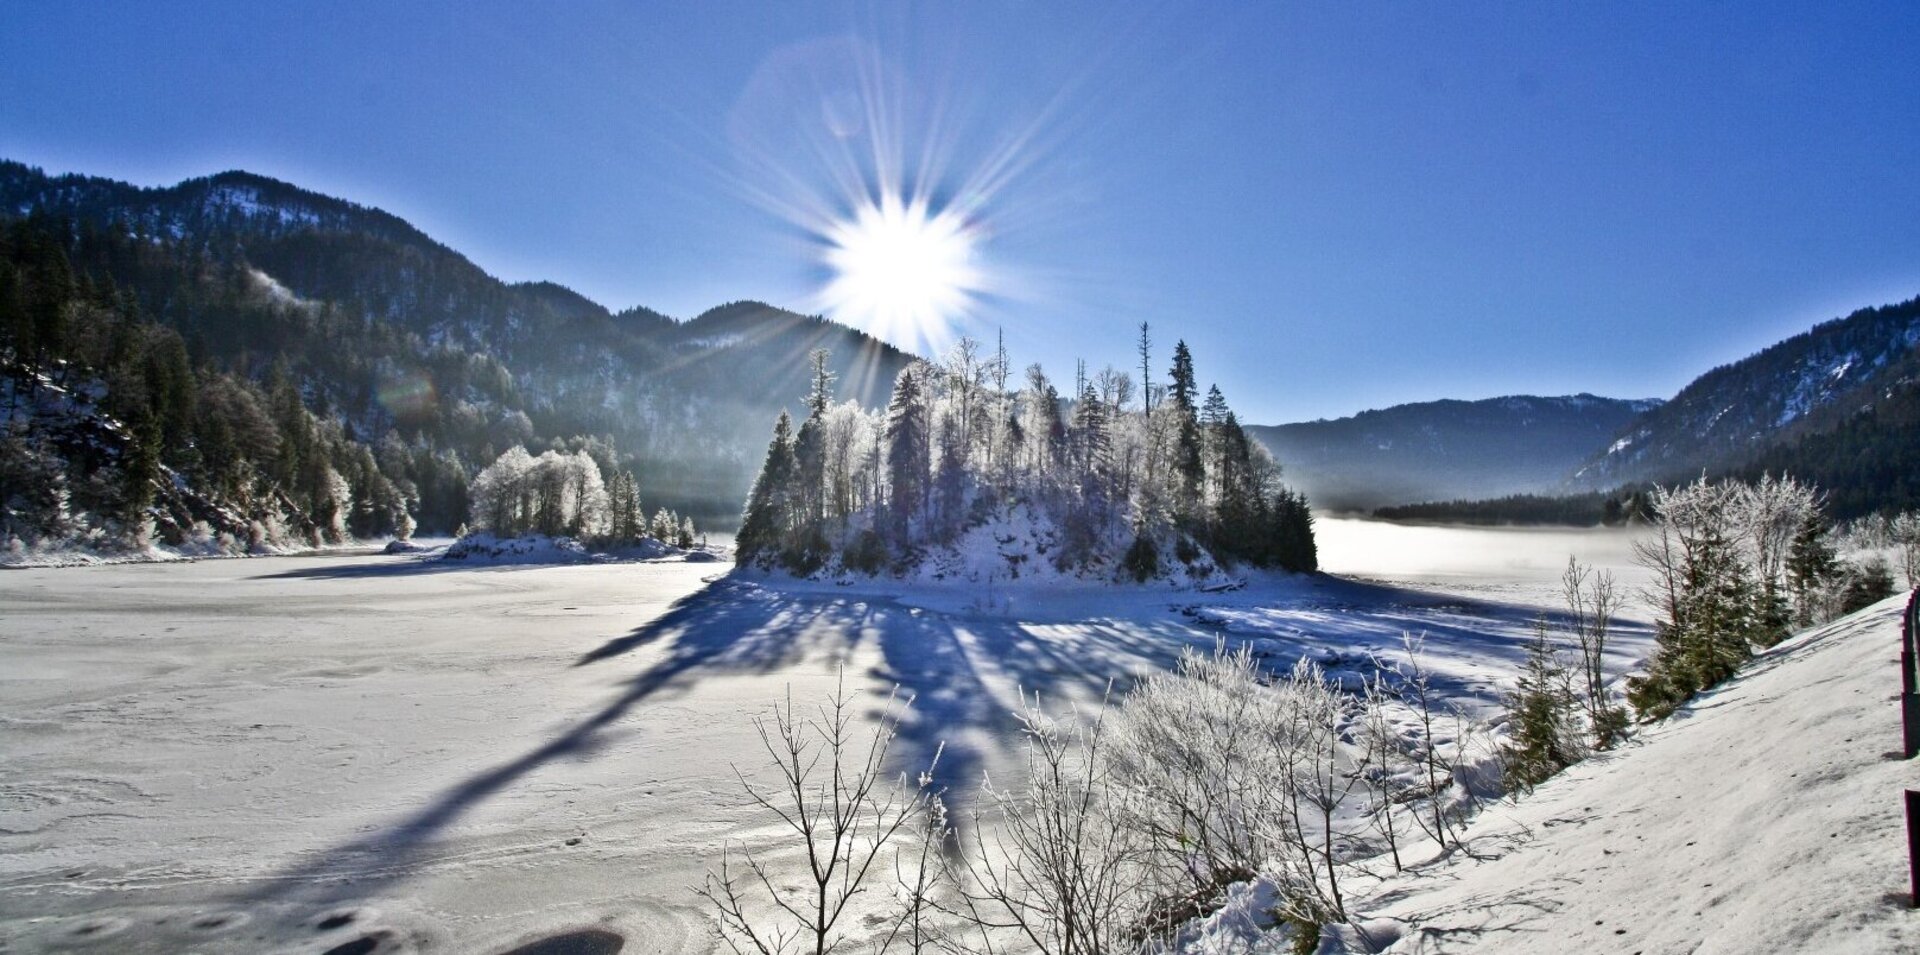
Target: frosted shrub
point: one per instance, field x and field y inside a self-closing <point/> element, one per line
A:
<point x="1228" y="778"/>
<point x="1067" y="874"/>
<point x="1197" y="747"/>
<point x="1125" y="824"/>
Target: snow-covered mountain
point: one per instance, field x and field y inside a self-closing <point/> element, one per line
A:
<point x="1783" y="396"/>
<point x="1446" y="450"/>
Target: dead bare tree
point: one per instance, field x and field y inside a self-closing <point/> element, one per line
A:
<point x="1064" y="876"/>
<point x="1384" y="764"/>
<point x="1438" y="821"/>
<point x="1319" y="783"/>
<point x="1591" y="602"/>
<point x="837" y="802"/>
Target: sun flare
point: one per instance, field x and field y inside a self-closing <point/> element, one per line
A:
<point x="901" y="270"/>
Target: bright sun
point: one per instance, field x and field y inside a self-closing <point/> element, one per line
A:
<point x="901" y="270"/>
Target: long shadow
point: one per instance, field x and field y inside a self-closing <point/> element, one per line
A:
<point x="1345" y="621"/>
<point x="947" y="664"/>
<point x="413" y="566"/>
<point x="961" y="671"/>
<point x="724" y="626"/>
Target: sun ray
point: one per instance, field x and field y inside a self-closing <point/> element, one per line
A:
<point x="902" y="270"/>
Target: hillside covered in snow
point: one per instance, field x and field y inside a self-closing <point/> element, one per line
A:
<point x="1764" y="817"/>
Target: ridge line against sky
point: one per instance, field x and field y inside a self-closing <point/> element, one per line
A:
<point x="1338" y="209"/>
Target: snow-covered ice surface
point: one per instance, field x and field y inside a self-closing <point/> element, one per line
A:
<point x="226" y="756"/>
<point x="1766" y="817"/>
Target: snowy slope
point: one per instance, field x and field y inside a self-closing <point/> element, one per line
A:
<point x="1764" y="818"/>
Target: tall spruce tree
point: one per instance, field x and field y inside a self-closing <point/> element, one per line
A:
<point x="809" y="446"/>
<point x="1712" y="614"/>
<point x="1811" y="563"/>
<point x="909" y="453"/>
<point x="764" y="526"/>
<point x="1545" y="736"/>
<point x="1188" y="461"/>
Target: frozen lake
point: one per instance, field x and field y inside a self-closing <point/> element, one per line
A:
<point x="1516" y="560"/>
<point x="294" y="754"/>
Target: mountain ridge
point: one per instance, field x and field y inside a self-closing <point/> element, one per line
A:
<point x="357" y="303"/>
<point x="1445" y="448"/>
<point x="1804" y="385"/>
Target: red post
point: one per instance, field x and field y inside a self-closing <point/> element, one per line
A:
<point x="1913" y="845"/>
<point x="1909" y="693"/>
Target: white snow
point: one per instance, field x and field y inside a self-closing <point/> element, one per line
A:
<point x="1766" y="817"/>
<point x="484" y="548"/>
<point x="217" y="756"/>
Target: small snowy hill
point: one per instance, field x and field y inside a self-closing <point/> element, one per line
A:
<point x="1767" y="817"/>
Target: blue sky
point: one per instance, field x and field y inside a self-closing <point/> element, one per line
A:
<point x="1339" y="206"/>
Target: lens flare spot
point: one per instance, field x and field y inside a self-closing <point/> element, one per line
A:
<point x="408" y="395"/>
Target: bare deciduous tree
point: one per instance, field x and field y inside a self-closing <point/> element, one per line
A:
<point x="1065" y="875"/>
<point x="1591" y="602"/>
<point x="835" y="799"/>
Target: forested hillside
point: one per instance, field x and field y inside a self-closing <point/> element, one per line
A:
<point x="1772" y="408"/>
<point x="395" y="343"/>
<point x="1441" y="450"/>
<point x="115" y="432"/>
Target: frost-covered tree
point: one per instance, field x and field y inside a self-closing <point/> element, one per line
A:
<point x="954" y="450"/>
<point x="554" y="494"/>
<point x="1768" y="513"/>
<point x="626" y="519"/>
<point x="1706" y="592"/>
<point x="1905" y="531"/>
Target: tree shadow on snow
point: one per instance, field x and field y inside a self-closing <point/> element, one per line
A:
<point x="960" y="671"/>
<point x="415" y="566"/>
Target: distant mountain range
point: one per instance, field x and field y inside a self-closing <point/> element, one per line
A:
<point x="1445" y="450"/>
<point x="1838" y="404"/>
<point x="391" y="331"/>
<point x="404" y="343"/>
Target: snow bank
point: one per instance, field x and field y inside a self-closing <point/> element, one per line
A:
<point x="94" y="549"/>
<point x="1021" y="547"/>
<point x="1766" y="817"/>
<point x="528" y="549"/>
